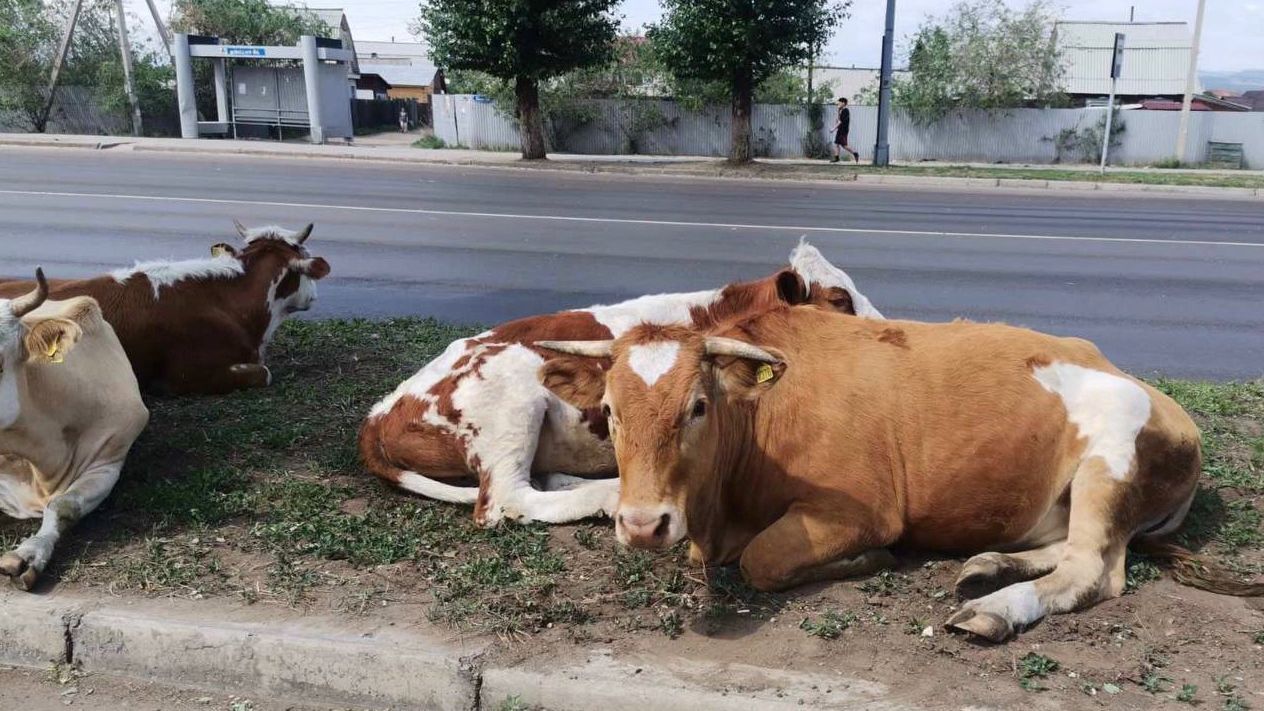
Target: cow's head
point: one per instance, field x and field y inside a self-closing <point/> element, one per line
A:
<point x="674" y="399"/>
<point x="27" y="339"/>
<point x="284" y="252"/>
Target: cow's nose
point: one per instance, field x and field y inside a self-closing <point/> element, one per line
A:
<point x="644" y="529"/>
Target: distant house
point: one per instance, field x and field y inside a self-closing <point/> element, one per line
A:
<point x="848" y="81"/>
<point x="403" y="66"/>
<point x="1253" y="99"/>
<point x="1197" y="103"/>
<point x="372" y="86"/>
<point x="1155" y="63"/>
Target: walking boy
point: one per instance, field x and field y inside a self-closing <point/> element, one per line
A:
<point x="841" y="127"/>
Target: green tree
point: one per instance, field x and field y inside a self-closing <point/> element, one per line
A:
<point x="27" y="41"/>
<point x="247" y="21"/>
<point x="741" y="43"/>
<point x="525" y="42"/>
<point x="983" y="55"/>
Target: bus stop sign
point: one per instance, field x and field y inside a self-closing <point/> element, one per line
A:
<point x="1117" y="57"/>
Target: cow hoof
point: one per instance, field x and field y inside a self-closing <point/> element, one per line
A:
<point x="19" y="571"/>
<point x="987" y="625"/>
<point x="981" y="575"/>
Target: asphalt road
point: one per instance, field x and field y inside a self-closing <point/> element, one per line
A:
<point x="1164" y="284"/>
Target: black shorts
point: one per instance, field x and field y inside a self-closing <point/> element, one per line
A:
<point x="840" y="138"/>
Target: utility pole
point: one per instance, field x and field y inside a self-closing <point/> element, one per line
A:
<point x="1191" y="79"/>
<point x="163" y="32"/>
<point x="57" y="64"/>
<point x="129" y="82"/>
<point x="882" y="149"/>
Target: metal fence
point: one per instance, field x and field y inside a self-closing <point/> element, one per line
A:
<point x="77" y="109"/>
<point x="651" y="127"/>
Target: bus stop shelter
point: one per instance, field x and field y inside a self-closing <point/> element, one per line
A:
<point x="315" y="95"/>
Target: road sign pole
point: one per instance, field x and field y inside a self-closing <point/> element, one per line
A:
<point x="1110" y="116"/>
<point x="1116" y="69"/>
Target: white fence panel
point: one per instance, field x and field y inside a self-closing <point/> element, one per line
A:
<point x="653" y="127"/>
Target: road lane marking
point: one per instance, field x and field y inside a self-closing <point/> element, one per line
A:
<point x="802" y="229"/>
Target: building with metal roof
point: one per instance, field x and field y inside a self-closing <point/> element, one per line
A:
<point x="1155" y="63"/>
<point x="403" y="65"/>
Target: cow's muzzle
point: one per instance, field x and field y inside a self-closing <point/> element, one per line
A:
<point x="651" y="528"/>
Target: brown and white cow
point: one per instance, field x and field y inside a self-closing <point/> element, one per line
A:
<point x="480" y="410"/>
<point x="69" y="412"/>
<point x="803" y="443"/>
<point x="203" y="325"/>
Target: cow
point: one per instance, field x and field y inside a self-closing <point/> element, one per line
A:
<point x="478" y="410"/>
<point x="70" y="409"/>
<point x="203" y="326"/>
<point x="803" y="444"/>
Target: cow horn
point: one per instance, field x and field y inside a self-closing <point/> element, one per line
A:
<point x="241" y="229"/>
<point x="302" y="235"/>
<point x="717" y="346"/>
<point x="592" y="349"/>
<point x="24" y="305"/>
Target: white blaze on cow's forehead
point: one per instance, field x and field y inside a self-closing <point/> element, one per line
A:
<point x="808" y="262"/>
<point x="651" y="361"/>
<point x="169" y="273"/>
<point x="1108" y="410"/>
<point x="657" y="309"/>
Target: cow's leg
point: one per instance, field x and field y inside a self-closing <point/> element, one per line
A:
<point x="508" y="421"/>
<point x="989" y="572"/>
<point x="25" y="563"/>
<point x="802" y="547"/>
<point x="1090" y="569"/>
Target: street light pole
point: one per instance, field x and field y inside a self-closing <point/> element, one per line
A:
<point x="1191" y="79"/>
<point x="882" y="149"/>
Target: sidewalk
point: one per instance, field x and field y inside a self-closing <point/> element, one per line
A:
<point x="396" y="149"/>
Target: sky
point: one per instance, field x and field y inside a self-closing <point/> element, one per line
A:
<point x="1231" y="34"/>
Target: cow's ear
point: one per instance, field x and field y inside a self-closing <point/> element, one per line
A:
<point x="223" y="250"/>
<point x="49" y="340"/>
<point x="746" y="379"/>
<point x="791" y="288"/>
<point x="316" y="268"/>
<point x="577" y="380"/>
<point x="834" y="297"/>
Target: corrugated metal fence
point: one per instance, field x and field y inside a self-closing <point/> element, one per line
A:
<point x="651" y="127"/>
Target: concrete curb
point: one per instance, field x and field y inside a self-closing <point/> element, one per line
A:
<point x="628" y="168"/>
<point x="287" y="656"/>
<point x="308" y="658"/>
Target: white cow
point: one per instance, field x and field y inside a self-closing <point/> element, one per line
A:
<point x="70" y="409"/>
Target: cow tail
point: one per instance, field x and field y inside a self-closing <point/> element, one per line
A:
<point x="1188" y="568"/>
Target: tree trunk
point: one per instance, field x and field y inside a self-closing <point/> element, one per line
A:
<point x="743" y="96"/>
<point x="530" y="122"/>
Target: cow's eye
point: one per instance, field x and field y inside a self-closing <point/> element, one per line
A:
<point x="699" y="409"/>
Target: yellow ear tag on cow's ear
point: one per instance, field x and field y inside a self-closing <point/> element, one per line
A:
<point x="54" y="354"/>
<point x="764" y="373"/>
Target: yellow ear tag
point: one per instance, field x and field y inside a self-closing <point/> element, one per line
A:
<point x="764" y="373"/>
<point x="219" y="251"/>
<point x="53" y="355"/>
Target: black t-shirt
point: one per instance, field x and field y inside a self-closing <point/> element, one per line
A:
<point x="844" y="120"/>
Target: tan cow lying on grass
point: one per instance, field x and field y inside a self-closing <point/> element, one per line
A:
<point x="203" y="325"/>
<point x="478" y="409"/>
<point x="804" y="443"/>
<point x="69" y="412"/>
